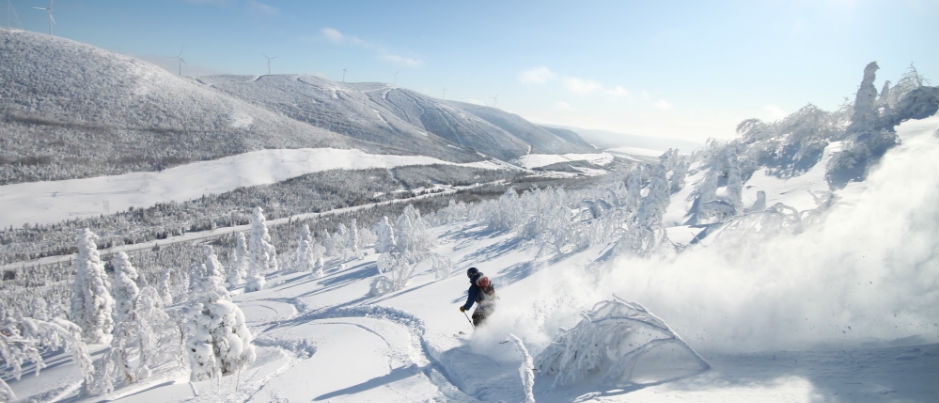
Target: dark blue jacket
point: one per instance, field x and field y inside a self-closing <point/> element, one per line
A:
<point x="474" y="294"/>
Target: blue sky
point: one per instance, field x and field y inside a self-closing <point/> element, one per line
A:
<point x="683" y="69"/>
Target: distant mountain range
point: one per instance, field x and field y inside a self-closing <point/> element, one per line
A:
<point x="71" y="110"/>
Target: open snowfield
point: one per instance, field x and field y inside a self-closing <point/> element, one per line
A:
<point x="54" y="201"/>
<point x="844" y="310"/>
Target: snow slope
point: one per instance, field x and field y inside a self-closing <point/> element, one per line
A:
<point x="54" y="201"/>
<point x="842" y="311"/>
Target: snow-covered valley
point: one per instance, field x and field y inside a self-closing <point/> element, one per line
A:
<point x="289" y="238"/>
<point x="836" y="312"/>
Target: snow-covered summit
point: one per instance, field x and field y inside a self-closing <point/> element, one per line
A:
<point x="73" y="110"/>
<point x="400" y="118"/>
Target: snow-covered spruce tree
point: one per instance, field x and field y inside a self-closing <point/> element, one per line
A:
<point x="212" y="265"/>
<point x="306" y="253"/>
<point x="871" y="132"/>
<point x="652" y="207"/>
<point x="217" y="339"/>
<point x="340" y="241"/>
<point x="239" y="263"/>
<point x="165" y="287"/>
<point x="401" y="256"/>
<point x="411" y="232"/>
<point x="196" y="274"/>
<point x="677" y="168"/>
<point x="262" y="257"/>
<point x="123" y="358"/>
<point x="503" y="214"/>
<point x="354" y="242"/>
<point x="385" y="233"/>
<point x="124" y="288"/>
<point x="91" y="298"/>
<point x="158" y="333"/>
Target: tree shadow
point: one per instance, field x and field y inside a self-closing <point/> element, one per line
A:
<point x="395" y="375"/>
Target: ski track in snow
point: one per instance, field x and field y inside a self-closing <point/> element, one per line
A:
<point x="426" y="361"/>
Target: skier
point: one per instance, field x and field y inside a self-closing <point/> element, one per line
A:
<point x="480" y="292"/>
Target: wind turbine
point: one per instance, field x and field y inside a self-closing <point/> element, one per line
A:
<point x="49" y="11"/>
<point x="180" y="61"/>
<point x="269" y="58"/>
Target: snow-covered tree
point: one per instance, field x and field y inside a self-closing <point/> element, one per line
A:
<point x="866" y="115"/>
<point x="354" y="243"/>
<point x="385" y="234"/>
<point x="306" y="253"/>
<point x="262" y="255"/>
<point x="217" y="339"/>
<point x="240" y="262"/>
<point x="411" y="232"/>
<point x="165" y="287"/>
<point x="158" y="333"/>
<point x="212" y="266"/>
<point x="91" y="302"/>
<point x="403" y="246"/>
<point x="503" y="214"/>
<point x="340" y="241"/>
<point x="20" y="343"/>
<point x="619" y="343"/>
<point x="124" y="288"/>
<point x="197" y="273"/>
<point x="122" y="358"/>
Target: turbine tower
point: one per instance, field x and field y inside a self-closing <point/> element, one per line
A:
<point x="48" y="11"/>
<point x="180" y="61"/>
<point x="269" y="58"/>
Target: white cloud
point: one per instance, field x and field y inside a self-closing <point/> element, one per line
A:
<point x="660" y="103"/>
<point x="538" y="75"/>
<point x="581" y="86"/>
<point x="617" y="92"/>
<point x="333" y="35"/>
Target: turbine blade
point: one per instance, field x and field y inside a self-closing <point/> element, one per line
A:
<point x="51" y="19"/>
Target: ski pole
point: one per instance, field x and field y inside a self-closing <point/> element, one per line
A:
<point x="468" y="319"/>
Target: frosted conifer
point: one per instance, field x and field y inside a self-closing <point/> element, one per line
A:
<point x="239" y="264"/>
<point x="91" y="303"/>
<point x="306" y="255"/>
<point x="217" y="338"/>
<point x="123" y="355"/>
<point x="262" y="255"/>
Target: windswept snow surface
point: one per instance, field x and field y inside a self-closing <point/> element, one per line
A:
<point x="841" y="311"/>
<point x="54" y="201"/>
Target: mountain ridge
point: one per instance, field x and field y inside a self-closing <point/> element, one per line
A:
<point x="71" y="110"/>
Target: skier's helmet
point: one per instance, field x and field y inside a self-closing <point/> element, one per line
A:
<point x="472" y="272"/>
